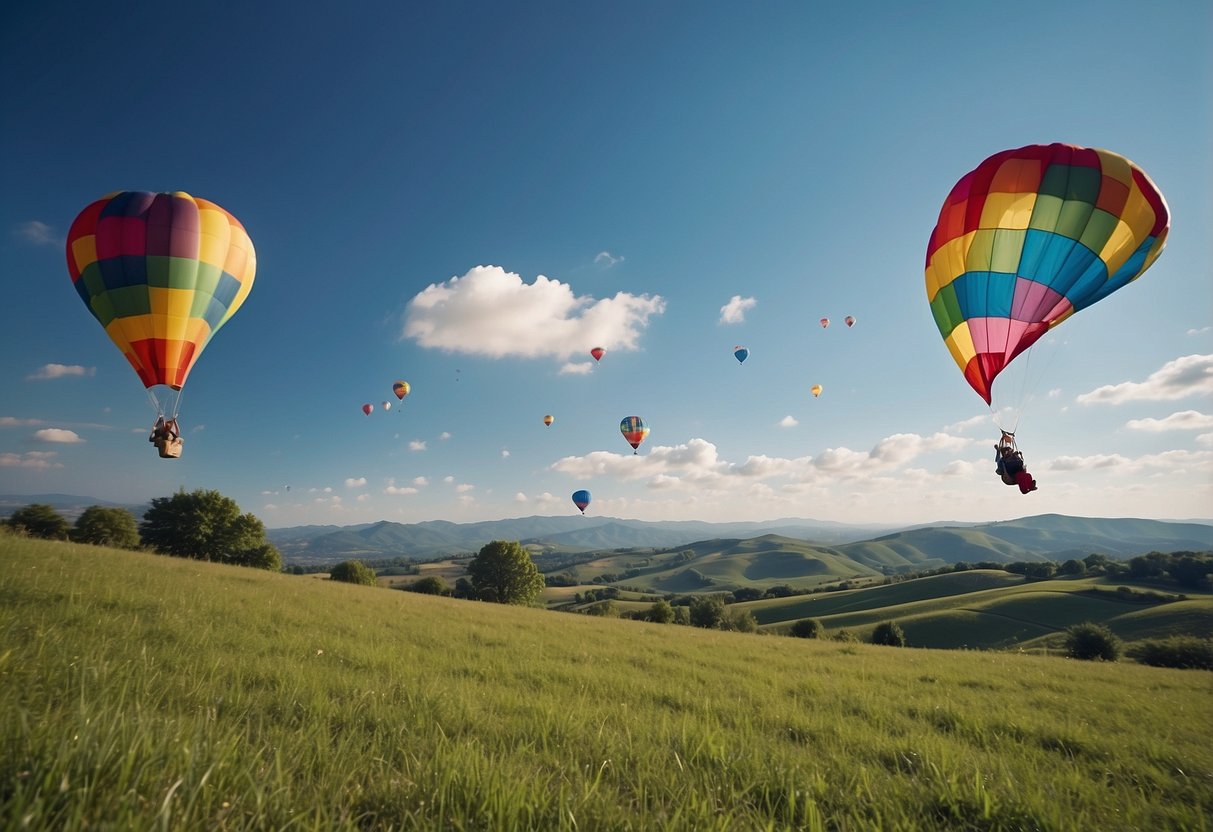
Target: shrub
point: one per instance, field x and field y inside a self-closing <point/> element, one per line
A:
<point x="432" y="585"/>
<point x="1091" y="642"/>
<point x="807" y="628"/>
<point x="741" y="622"/>
<point x="1185" y="652"/>
<point x="353" y="572"/>
<point x="707" y="611"/>
<point x="107" y="527"/>
<point x="39" y="520"/>
<point x="889" y="633"/>
<point x="661" y="612"/>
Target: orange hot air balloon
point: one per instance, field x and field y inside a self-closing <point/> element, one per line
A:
<point x="598" y="352"/>
<point x="401" y="389"/>
<point x="815" y="390"/>
<point x="547" y="420"/>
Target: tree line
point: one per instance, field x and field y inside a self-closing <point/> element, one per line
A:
<point x="201" y="524"/>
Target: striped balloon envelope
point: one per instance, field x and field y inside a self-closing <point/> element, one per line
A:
<point x="161" y="273"/>
<point x="1028" y="238"/>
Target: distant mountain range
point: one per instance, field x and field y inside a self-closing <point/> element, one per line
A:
<point x="873" y="546"/>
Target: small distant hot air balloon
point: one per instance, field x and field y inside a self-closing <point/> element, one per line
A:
<point x="824" y="322"/>
<point x="401" y="389"/>
<point x="850" y="320"/>
<point x="368" y="409"/>
<point x="598" y="352"/>
<point x="634" y="430"/>
<point x="815" y="390"/>
<point x="741" y="354"/>
<point x="581" y="499"/>
<point x="387" y="405"/>
<point x="547" y="420"/>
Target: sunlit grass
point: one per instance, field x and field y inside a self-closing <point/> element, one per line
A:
<point x="144" y="692"/>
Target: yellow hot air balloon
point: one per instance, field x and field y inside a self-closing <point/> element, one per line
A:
<point x="815" y="390"/>
<point x="547" y="420"/>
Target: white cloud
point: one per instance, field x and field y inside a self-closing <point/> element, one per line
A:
<point x="571" y="368"/>
<point x="1183" y="420"/>
<point x="47" y="371"/>
<point x="505" y="454"/>
<point x="351" y="482"/>
<point x="448" y="479"/>
<point x="1054" y="393"/>
<point x="11" y="422"/>
<point x="734" y="311"/>
<point x="444" y="435"/>
<point x="1200" y="331"/>
<point x="420" y="482"/>
<point x="1190" y="375"/>
<point x="362" y="498"/>
<point x="520" y="497"/>
<point x="417" y="445"/>
<point x="1175" y="461"/>
<point x="30" y="459"/>
<point x="788" y="421"/>
<point x="464" y="488"/>
<point x="403" y="490"/>
<point x="1205" y="440"/>
<point x="605" y="258"/>
<point x="58" y="435"/>
<point x="968" y="424"/>
<point x="197" y="428"/>
<point x="492" y="312"/>
<point x="38" y="233"/>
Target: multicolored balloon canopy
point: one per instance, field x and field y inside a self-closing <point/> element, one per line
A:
<point x="825" y="322"/>
<point x="401" y="389"/>
<point x="162" y="273"/>
<point x="634" y="430"/>
<point x="1028" y="238"/>
<point x="547" y="420"/>
<point x="581" y="499"/>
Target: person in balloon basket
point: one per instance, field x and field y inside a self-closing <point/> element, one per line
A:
<point x="1009" y="464"/>
<point x="166" y="436"/>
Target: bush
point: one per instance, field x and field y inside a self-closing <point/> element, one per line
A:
<point x="707" y="611"/>
<point x="661" y="612"/>
<point x="741" y="622"/>
<point x="107" y="527"/>
<point x="1185" y="652"/>
<point x="807" y="628"/>
<point x="889" y="634"/>
<point x="353" y="572"/>
<point x="432" y="585"/>
<point x="1092" y="642"/>
<point x="39" y="520"/>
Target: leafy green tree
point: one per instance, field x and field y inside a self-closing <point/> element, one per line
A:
<point x="603" y="609"/>
<point x="503" y="572"/>
<point x="107" y="527"/>
<point x="1191" y="570"/>
<point x="353" y="572"/>
<point x="205" y="525"/>
<point x="661" y="612"/>
<point x="707" y="611"/>
<point x="39" y="520"/>
<point x="807" y="628"/>
<point x="1095" y="562"/>
<point x="1072" y="567"/>
<point x="741" y="621"/>
<point x="1091" y="641"/>
<point x="889" y="633"/>
<point x="682" y="615"/>
<point x="430" y="585"/>
<point x="1185" y="652"/>
<point x="1149" y="566"/>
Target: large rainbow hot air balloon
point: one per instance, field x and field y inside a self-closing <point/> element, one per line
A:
<point x="162" y="273"/>
<point x="634" y="430"/>
<point x="1028" y="238"/>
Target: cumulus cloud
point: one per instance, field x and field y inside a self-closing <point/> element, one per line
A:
<point x="448" y="479"/>
<point x="47" y="371"/>
<point x="37" y="233"/>
<point x="464" y="488"/>
<point x="1189" y="375"/>
<point x="520" y="497"/>
<point x="351" y="482"/>
<point x="444" y="435"/>
<point x="392" y="488"/>
<point x="1173" y="461"/>
<point x="1205" y="440"/>
<point x="734" y="311"/>
<point x="30" y="459"/>
<point x="573" y="368"/>
<point x="417" y="445"/>
<point x="420" y="482"/>
<point x="492" y="312"/>
<point x="968" y="424"/>
<point x="1183" y="420"/>
<point x="505" y="454"/>
<point x="605" y="258"/>
<point x="788" y="421"/>
<point x="57" y="435"/>
<point x="12" y="422"/>
<point x="1200" y="331"/>
<point x="362" y="498"/>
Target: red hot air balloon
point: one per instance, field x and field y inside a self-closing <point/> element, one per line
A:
<point x="824" y="322"/>
<point x="849" y="320"/>
<point x="597" y="352"/>
<point x="368" y="409"/>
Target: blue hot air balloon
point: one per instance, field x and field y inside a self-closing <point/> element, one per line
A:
<point x="581" y="499"/>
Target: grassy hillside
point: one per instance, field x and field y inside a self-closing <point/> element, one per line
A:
<point x="990" y="609"/>
<point x="144" y="692"/>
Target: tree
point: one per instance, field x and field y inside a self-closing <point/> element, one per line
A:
<point x="682" y="615"/>
<point x="741" y="621"/>
<point x="1191" y="570"/>
<point x="707" y="611"/>
<point x="353" y="572"/>
<point x="1091" y="642"/>
<point x="431" y="585"/>
<point x="107" y="527"/>
<point x="807" y="628"/>
<point x="889" y="633"/>
<point x="205" y="525"/>
<point x="1095" y="562"/>
<point x="39" y="520"/>
<point x="503" y="572"/>
<point x="1072" y="567"/>
<point x="661" y="612"/>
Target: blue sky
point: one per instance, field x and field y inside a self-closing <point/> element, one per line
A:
<point x="610" y="174"/>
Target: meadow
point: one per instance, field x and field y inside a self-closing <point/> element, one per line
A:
<point x="145" y="692"/>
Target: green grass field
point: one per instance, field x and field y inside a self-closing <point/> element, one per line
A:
<point x="142" y="692"/>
